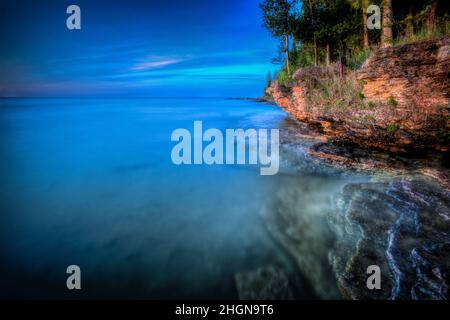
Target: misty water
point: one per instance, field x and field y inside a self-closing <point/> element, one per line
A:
<point x="90" y="182"/>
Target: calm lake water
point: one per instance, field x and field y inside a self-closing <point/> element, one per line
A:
<point x="90" y="182"/>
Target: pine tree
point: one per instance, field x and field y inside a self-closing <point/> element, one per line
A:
<point x="278" y="17"/>
<point x="269" y="81"/>
<point x="361" y="5"/>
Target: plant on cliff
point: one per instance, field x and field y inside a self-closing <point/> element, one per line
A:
<point x="392" y="102"/>
<point x="392" y="128"/>
<point x="356" y="60"/>
<point x="283" y="77"/>
<point x="371" y="105"/>
<point x="334" y="94"/>
<point x="268" y="84"/>
<point x="360" y="95"/>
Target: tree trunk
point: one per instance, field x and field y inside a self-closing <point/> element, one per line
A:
<point x="341" y="68"/>
<point x="431" y="17"/>
<point x="387" y="36"/>
<point x="316" y="59"/>
<point x="328" y="54"/>
<point x="287" y="55"/>
<point x="366" y="31"/>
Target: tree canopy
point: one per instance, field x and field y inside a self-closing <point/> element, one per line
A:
<point x="325" y="30"/>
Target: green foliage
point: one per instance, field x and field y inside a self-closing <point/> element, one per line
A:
<point x="315" y="24"/>
<point x="278" y="16"/>
<point x="333" y="93"/>
<point x="360" y="95"/>
<point x="392" y="102"/>
<point x="283" y="77"/>
<point x="371" y="105"/>
<point x="325" y="93"/>
<point x="357" y="59"/>
<point x="392" y="128"/>
<point x="303" y="56"/>
<point x="328" y="21"/>
<point x="414" y="27"/>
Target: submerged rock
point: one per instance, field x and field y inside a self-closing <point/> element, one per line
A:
<point x="265" y="283"/>
<point x="297" y="220"/>
<point x="403" y="226"/>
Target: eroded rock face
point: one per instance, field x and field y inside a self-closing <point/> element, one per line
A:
<point x="292" y="98"/>
<point x="403" y="226"/>
<point x="415" y="74"/>
<point x="408" y="85"/>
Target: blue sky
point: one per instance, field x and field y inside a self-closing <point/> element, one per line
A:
<point x="135" y="48"/>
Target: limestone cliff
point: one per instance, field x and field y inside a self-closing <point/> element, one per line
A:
<point x="401" y="101"/>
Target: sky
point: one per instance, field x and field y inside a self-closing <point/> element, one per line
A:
<point x="134" y="48"/>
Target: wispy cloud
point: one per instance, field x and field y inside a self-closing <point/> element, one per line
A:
<point x="155" y="64"/>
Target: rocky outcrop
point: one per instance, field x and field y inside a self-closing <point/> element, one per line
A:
<point x="404" y="92"/>
<point x="416" y="75"/>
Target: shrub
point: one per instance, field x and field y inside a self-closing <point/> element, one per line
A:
<point x="283" y="77"/>
<point x="357" y="60"/>
<point x="334" y="93"/>
<point x="392" y="102"/>
<point x="392" y="128"/>
<point x="371" y="105"/>
<point x="441" y="29"/>
<point x="361" y="95"/>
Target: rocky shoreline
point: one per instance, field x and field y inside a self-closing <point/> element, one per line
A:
<point x="399" y="220"/>
<point x="401" y="122"/>
<point x="267" y="100"/>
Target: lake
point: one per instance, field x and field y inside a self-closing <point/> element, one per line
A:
<point x="90" y="182"/>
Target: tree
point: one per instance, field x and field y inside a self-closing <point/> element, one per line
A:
<point x="361" y="5"/>
<point x="431" y="17"/>
<point x="336" y="26"/>
<point x="269" y="80"/>
<point x="387" y="35"/>
<point x="278" y="17"/>
<point x="311" y="5"/>
<point x="306" y="26"/>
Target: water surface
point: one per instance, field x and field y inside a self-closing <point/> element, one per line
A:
<point x="90" y="182"/>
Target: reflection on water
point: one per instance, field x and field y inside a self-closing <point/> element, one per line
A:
<point x="91" y="182"/>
